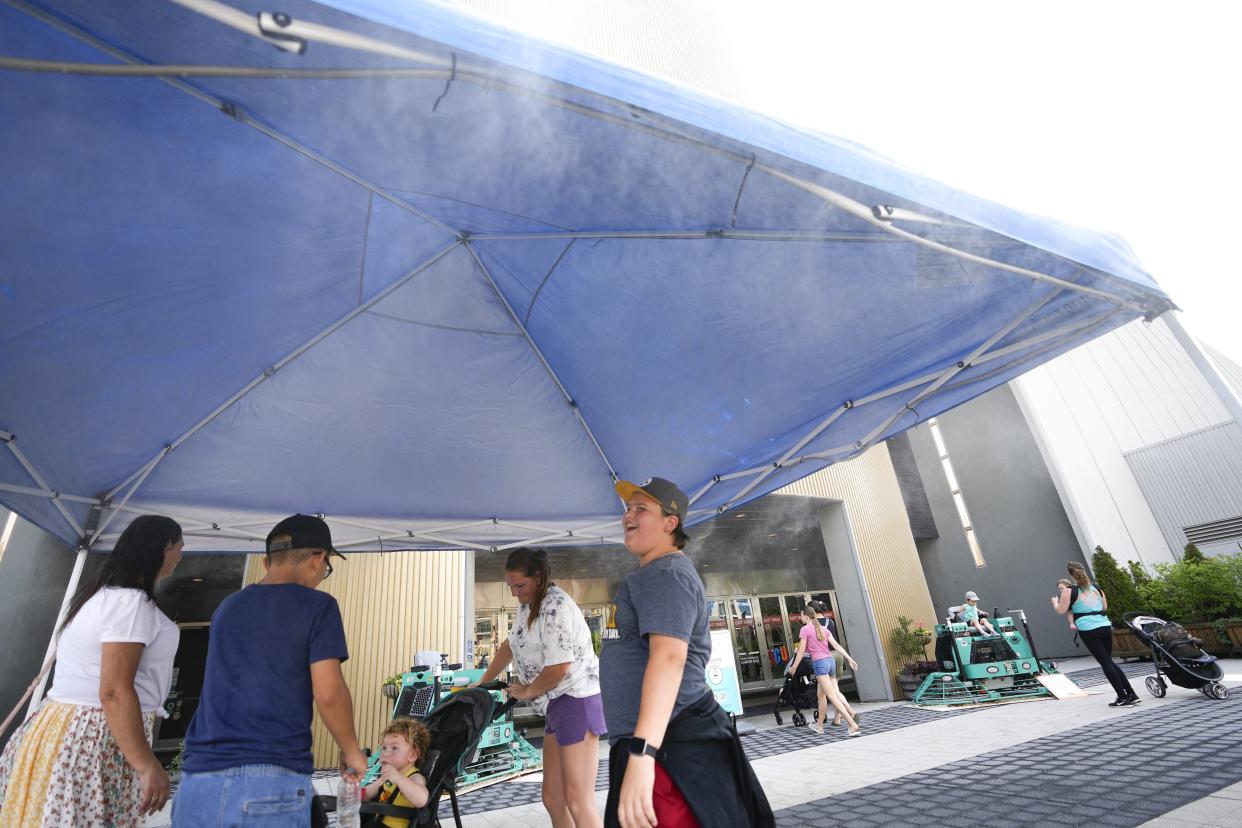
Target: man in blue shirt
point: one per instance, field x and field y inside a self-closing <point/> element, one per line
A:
<point x="276" y="647"/>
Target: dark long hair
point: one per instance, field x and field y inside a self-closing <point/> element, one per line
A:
<point x="135" y="561"/>
<point x="533" y="563"/>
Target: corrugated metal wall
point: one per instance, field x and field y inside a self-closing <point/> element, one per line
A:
<point x="1192" y="479"/>
<point x="890" y="560"/>
<point x="392" y="604"/>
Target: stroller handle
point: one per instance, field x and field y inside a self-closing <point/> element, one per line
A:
<point x="499" y="684"/>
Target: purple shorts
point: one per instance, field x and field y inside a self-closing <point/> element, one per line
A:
<point x="569" y="718"/>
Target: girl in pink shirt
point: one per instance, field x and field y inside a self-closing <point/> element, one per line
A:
<point x="813" y="639"/>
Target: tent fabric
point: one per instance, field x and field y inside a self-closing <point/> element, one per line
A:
<point x="446" y="308"/>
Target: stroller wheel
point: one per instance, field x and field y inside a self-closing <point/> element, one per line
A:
<point x="1217" y="690"/>
<point x="1156" y="686"/>
<point x="799" y="720"/>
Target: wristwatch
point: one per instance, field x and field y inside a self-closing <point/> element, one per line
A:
<point x="638" y="747"/>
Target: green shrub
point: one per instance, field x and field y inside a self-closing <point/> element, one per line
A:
<point x="1196" y="588"/>
<point x="1139" y="574"/>
<point x="1117" y="584"/>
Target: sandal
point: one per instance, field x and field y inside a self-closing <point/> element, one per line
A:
<point x="857" y="732"/>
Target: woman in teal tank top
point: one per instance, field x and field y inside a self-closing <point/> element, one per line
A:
<point x="1089" y="607"/>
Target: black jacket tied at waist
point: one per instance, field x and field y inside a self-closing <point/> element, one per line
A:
<point x="705" y="759"/>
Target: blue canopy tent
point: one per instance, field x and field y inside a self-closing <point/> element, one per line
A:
<point x="443" y="283"/>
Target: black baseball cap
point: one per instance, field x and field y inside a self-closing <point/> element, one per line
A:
<point x="671" y="499"/>
<point x="301" y="532"/>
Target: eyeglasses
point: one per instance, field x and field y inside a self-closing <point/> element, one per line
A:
<point x="327" y="559"/>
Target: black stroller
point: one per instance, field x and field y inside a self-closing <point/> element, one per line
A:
<point x="1177" y="652"/>
<point x="456" y="726"/>
<point x="798" y="691"/>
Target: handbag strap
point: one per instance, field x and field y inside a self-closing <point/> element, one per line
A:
<point x="29" y="692"/>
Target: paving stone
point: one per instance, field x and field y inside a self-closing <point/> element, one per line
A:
<point x="1125" y="778"/>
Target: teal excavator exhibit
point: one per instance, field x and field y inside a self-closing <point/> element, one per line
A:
<point x="979" y="669"/>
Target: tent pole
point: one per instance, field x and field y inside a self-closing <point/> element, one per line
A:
<point x="10" y="440"/>
<point x="538" y="353"/>
<point x="961" y="366"/>
<point x="141" y="479"/>
<point x="74" y="578"/>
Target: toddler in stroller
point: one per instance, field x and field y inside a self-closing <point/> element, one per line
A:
<point x="798" y="692"/>
<point x="455" y="726"/>
<point x="1178" y="653"/>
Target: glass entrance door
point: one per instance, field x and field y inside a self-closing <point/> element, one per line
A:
<point x="747" y="645"/>
<point x="780" y="650"/>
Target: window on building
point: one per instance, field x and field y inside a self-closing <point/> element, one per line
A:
<point x="958" y="501"/>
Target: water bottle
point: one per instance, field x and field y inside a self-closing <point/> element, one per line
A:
<point x="348" y="800"/>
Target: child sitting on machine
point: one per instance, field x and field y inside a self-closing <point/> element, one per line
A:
<point x="970" y="615"/>
<point x="405" y="744"/>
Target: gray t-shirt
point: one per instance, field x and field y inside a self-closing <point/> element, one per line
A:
<point x="665" y="597"/>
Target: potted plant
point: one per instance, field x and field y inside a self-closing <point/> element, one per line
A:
<point x="908" y="645"/>
<point x="913" y="675"/>
<point x="391" y="685"/>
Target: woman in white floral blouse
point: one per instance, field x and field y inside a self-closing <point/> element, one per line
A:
<point x="555" y="668"/>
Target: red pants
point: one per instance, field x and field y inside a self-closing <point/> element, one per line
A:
<point x="670" y="806"/>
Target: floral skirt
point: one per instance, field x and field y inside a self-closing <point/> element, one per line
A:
<point x="62" y="767"/>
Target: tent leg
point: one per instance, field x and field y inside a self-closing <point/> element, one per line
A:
<point x="72" y="588"/>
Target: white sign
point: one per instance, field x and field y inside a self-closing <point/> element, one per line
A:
<point x="721" y="673"/>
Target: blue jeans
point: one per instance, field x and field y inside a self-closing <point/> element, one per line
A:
<point x="266" y="795"/>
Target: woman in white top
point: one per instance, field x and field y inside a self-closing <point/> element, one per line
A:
<point x="556" y="669"/>
<point x="85" y="757"/>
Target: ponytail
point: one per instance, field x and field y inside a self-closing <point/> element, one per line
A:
<point x="1079" y="573"/>
<point x="809" y="612"/>
<point x="533" y="563"/>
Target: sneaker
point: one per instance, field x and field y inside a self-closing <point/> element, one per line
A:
<point x="857" y="732"/>
<point x="1121" y="701"/>
<point x="818" y="729"/>
<point x="1133" y="699"/>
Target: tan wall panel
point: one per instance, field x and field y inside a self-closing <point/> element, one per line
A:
<point x="392" y="604"/>
<point x="877" y="516"/>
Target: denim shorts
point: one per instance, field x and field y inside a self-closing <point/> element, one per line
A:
<point x="569" y="718"/>
<point x="266" y="795"/>
<point x="824" y="666"/>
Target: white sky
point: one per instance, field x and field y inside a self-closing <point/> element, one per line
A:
<point x="1119" y="116"/>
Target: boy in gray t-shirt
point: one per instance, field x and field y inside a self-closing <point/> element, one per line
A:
<point x="665" y="597"/>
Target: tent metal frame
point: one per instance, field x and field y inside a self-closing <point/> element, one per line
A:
<point x="446" y="537"/>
